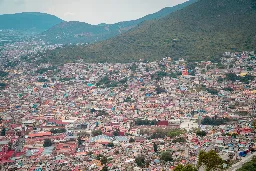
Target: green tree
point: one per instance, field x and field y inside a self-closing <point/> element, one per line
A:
<point x="3" y="74"/>
<point x="166" y="156"/>
<point x="110" y="144"/>
<point x="210" y="160"/>
<point x="42" y="80"/>
<point x="96" y="132"/>
<point x="214" y="120"/>
<point x="160" y="90"/>
<point x="47" y="143"/>
<point x="131" y="140"/>
<point x="103" y="160"/>
<point x="155" y="147"/>
<point x="3" y="132"/>
<point x="9" y="146"/>
<point x="79" y="141"/>
<point x="249" y="166"/>
<point x="231" y="77"/>
<point x="175" y="133"/>
<point x="140" y="161"/>
<point x="116" y="132"/>
<point x="57" y="131"/>
<point x="179" y="167"/>
<point x="201" y="133"/>
<point x="212" y="91"/>
<point x="116" y="152"/>
<point x="2" y="86"/>
<point x="188" y="167"/>
<point x="228" y="89"/>
<point x="179" y="140"/>
<point x="92" y="110"/>
<point x="123" y="81"/>
<point x="98" y="157"/>
<point x="220" y="80"/>
<point x="254" y="124"/>
<point x="105" y="168"/>
<point x="133" y="67"/>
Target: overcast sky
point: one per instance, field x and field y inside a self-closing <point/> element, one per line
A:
<point x="90" y="11"/>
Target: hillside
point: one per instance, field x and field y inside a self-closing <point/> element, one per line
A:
<point x="79" y="32"/>
<point x="28" y="21"/>
<point x="200" y="31"/>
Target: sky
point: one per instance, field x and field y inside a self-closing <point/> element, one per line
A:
<point x="90" y="11"/>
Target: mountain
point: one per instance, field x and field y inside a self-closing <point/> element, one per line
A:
<point x="80" y="32"/>
<point x="199" y="31"/>
<point x="28" y="21"/>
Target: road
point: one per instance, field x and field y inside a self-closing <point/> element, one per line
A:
<point x="240" y="164"/>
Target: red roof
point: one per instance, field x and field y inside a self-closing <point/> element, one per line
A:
<point x="19" y="154"/>
<point x="108" y="134"/>
<point x="41" y="134"/>
<point x="15" y="125"/>
<point x="121" y="133"/>
<point x="114" y="124"/>
<point x="162" y="123"/>
<point x="6" y="156"/>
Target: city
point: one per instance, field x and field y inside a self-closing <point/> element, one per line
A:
<point x="75" y="114"/>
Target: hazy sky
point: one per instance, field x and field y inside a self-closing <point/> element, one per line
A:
<point x="90" y="11"/>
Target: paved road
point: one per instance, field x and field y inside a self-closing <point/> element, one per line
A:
<point x="244" y="160"/>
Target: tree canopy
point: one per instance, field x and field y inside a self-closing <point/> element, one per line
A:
<point x="3" y="131"/>
<point x="166" y="156"/>
<point x="249" y="166"/>
<point x="96" y="132"/>
<point x="210" y="160"/>
<point x="214" y="121"/>
<point x="56" y="131"/>
<point x="200" y="34"/>
<point x="140" y="161"/>
<point x="201" y="133"/>
<point x="47" y="143"/>
<point x="3" y="73"/>
<point x="188" y="167"/>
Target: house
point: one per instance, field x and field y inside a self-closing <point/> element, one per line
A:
<point x="139" y="139"/>
<point x="103" y="139"/>
<point x="68" y="148"/>
<point x="40" y="134"/>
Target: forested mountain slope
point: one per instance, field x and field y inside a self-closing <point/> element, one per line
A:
<point x="200" y="31"/>
<point x="80" y="32"/>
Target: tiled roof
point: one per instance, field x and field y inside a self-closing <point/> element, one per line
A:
<point x="40" y="134"/>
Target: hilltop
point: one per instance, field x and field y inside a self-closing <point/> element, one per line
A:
<point x="80" y="32"/>
<point x="199" y="31"/>
<point x="28" y="21"/>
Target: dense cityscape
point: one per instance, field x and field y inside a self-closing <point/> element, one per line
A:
<point x="154" y="115"/>
<point x="171" y="90"/>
